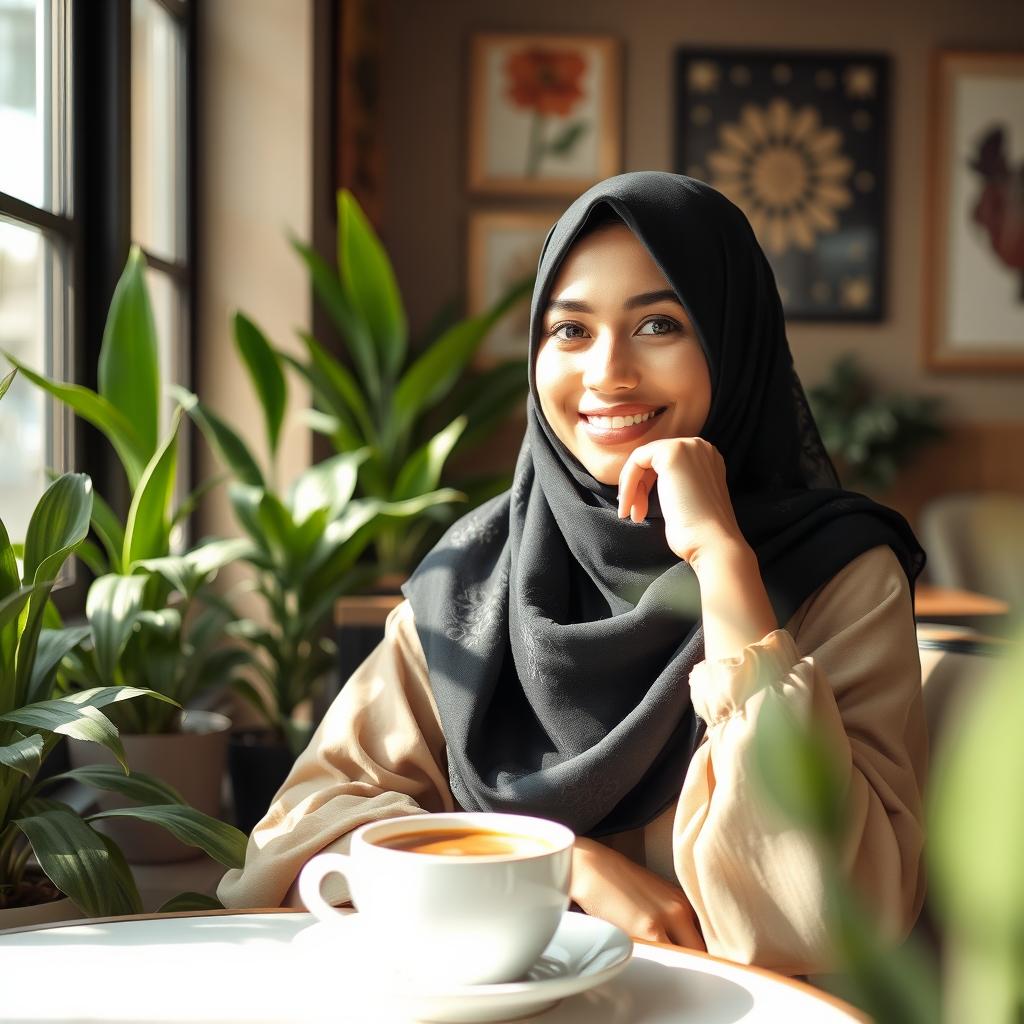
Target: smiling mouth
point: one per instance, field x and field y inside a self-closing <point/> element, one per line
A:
<point x="621" y="422"/>
<point x="602" y="430"/>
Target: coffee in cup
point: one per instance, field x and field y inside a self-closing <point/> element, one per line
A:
<point x="456" y="899"/>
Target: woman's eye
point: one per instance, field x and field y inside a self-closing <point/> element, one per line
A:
<point x="554" y="332"/>
<point x="667" y="326"/>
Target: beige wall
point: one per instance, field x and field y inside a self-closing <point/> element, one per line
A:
<point x="255" y="182"/>
<point x="424" y="106"/>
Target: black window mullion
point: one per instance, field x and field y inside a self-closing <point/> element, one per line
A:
<point x="50" y="223"/>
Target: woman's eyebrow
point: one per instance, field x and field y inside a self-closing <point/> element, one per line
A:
<point x="643" y="299"/>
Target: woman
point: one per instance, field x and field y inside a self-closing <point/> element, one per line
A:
<point x="594" y="645"/>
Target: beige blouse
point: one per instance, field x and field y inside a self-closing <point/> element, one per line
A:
<point x="847" y="658"/>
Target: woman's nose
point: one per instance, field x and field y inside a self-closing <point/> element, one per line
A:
<point x="609" y="364"/>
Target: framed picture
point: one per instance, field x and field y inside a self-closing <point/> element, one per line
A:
<point x="974" y="217"/>
<point x="544" y="113"/>
<point x="503" y="248"/>
<point x="797" y="140"/>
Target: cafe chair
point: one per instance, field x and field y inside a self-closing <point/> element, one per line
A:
<point x="976" y="542"/>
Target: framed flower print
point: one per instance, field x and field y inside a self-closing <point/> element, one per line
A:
<point x="544" y="113"/>
<point x="973" y="254"/>
<point x="797" y="140"/>
<point x="503" y="249"/>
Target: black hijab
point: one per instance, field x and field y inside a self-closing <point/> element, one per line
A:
<point x="557" y="638"/>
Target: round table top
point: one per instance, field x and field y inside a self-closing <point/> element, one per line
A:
<point x="225" y="966"/>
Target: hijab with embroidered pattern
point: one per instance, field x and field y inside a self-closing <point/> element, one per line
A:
<point x="558" y="637"/>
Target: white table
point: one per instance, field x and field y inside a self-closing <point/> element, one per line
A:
<point x="242" y="967"/>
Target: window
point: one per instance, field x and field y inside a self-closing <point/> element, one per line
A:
<point x="96" y="106"/>
<point x="37" y="229"/>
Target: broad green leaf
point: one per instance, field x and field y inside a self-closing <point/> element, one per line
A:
<point x="112" y="606"/>
<point x="53" y="645"/>
<point x="245" y="689"/>
<point x="135" y="786"/>
<point x="422" y="470"/>
<point x="107" y="418"/>
<point x="222" y="439"/>
<point x="369" y="282"/>
<point x="353" y="329"/>
<point x="80" y="863"/>
<point x="11" y="605"/>
<point x="332" y="378"/>
<point x="223" y="842"/>
<point x="93" y="558"/>
<point x="190" y="902"/>
<point x="24" y="755"/>
<point x="434" y="373"/>
<point x="414" y="506"/>
<point x="6" y="382"/>
<point x="81" y="723"/>
<point x="58" y="523"/>
<point x="109" y="530"/>
<point x="129" y="366"/>
<point x="329" y="484"/>
<point x="489" y="399"/>
<point x="148" y="528"/>
<point x="186" y="572"/>
<point x="245" y="501"/>
<point x="101" y="696"/>
<point x="10" y="579"/>
<point x="277" y="527"/>
<point x="122" y="873"/>
<point x="264" y="368"/>
<point x="976" y="838"/>
<point x="191" y="502"/>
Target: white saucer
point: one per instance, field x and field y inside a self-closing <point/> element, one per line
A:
<point x="585" y="952"/>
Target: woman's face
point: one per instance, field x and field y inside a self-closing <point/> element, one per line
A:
<point x="616" y="343"/>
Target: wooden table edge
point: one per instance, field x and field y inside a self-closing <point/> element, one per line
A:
<point x="801" y="986"/>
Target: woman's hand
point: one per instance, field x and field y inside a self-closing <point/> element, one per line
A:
<point x="690" y="476"/>
<point x="608" y="885"/>
<point x="701" y="528"/>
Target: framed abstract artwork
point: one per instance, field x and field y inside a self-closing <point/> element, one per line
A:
<point x="544" y="113"/>
<point x="974" y="217"/>
<point x="503" y="249"/>
<point x="798" y="141"/>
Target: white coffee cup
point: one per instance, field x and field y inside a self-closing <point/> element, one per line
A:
<point x="449" y="920"/>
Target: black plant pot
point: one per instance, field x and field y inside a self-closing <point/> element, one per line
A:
<point x="258" y="761"/>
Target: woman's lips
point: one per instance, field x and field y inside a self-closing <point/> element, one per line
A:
<point x="618" y="435"/>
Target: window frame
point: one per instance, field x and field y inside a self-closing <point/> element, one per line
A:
<point x="97" y="230"/>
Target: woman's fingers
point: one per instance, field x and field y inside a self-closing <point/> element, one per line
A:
<point x="636" y="468"/>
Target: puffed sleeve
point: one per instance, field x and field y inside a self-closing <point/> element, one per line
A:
<point x="848" y="661"/>
<point x="378" y="753"/>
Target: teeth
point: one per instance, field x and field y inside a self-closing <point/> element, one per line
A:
<point x="614" y="422"/>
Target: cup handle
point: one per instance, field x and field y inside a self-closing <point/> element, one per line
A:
<point x="311" y="877"/>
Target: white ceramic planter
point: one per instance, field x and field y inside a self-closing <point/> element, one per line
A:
<point x="193" y="761"/>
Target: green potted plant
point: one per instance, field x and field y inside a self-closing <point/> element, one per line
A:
<point x="302" y="547"/>
<point x="869" y="435"/>
<point x="411" y="412"/>
<point x="80" y="869"/>
<point x="152" y="624"/>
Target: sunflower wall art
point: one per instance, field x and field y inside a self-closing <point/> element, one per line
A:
<point x="797" y="140"/>
<point x="543" y="113"/>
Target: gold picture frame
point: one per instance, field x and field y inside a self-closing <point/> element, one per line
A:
<point x="973" y="259"/>
<point x="544" y="112"/>
<point x="503" y="247"/>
